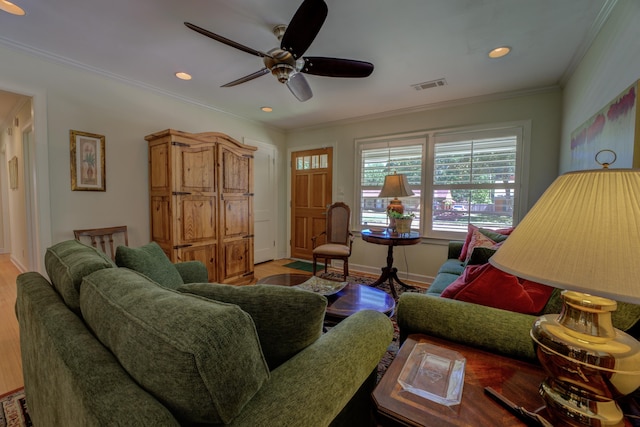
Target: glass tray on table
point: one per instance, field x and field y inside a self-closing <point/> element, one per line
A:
<point x="322" y="286"/>
<point x="434" y="373"/>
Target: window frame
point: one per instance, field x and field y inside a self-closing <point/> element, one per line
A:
<point x="520" y="129"/>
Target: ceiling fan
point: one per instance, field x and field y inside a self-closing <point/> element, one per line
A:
<point x="286" y="62"/>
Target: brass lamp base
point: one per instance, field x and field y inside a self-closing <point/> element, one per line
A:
<point x="394" y="205"/>
<point x="590" y="363"/>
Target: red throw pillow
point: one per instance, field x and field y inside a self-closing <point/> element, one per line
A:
<point x="467" y="276"/>
<point x="486" y="285"/>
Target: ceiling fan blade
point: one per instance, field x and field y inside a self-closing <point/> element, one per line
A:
<point x="299" y="87"/>
<point x="304" y="27"/>
<point x="226" y="41"/>
<point x="336" y="67"/>
<point x="247" y="78"/>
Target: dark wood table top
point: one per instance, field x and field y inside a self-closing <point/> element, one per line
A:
<point x="516" y="380"/>
<point x="351" y="299"/>
<point x="391" y="239"/>
<point x="354" y="298"/>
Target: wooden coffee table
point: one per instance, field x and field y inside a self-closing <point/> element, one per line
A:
<point x="351" y="299"/>
<point x="518" y="381"/>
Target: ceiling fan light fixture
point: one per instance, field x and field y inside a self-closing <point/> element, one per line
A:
<point x="499" y="52"/>
<point x="11" y="8"/>
<point x="282" y="72"/>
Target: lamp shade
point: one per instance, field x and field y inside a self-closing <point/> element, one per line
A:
<point x="583" y="234"/>
<point x="395" y="185"/>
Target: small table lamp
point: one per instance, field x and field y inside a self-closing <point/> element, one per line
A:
<point x="583" y="235"/>
<point x="395" y="185"/>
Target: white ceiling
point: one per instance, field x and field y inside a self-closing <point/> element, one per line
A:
<point x="408" y="41"/>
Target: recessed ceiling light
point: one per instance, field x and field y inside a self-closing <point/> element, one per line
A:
<point x="183" y="76"/>
<point x="266" y="109"/>
<point x="499" y="52"/>
<point x="11" y="8"/>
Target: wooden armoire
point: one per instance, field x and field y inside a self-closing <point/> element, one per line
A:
<point x="201" y="201"/>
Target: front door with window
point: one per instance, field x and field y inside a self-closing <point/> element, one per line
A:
<point x="311" y="183"/>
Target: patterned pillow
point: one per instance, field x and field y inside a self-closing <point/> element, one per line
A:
<point x="495" y="235"/>
<point x="479" y="240"/>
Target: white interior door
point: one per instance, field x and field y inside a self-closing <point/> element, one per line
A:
<point x="264" y="201"/>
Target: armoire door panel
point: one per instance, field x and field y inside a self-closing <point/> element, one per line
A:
<point x="205" y="254"/>
<point x="197" y="219"/>
<point x="236" y="259"/>
<point x="235" y="217"/>
<point x="159" y="168"/>
<point x="236" y="172"/>
<point x="161" y="219"/>
<point x="197" y="169"/>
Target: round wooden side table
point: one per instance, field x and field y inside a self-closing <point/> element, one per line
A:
<point x="389" y="272"/>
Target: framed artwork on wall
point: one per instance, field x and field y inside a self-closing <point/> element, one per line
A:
<point x="13" y="173"/>
<point x="87" y="161"/>
<point x="615" y="127"/>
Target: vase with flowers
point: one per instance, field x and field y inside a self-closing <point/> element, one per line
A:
<point x="402" y="221"/>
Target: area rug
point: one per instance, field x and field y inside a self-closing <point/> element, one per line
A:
<point x="13" y="410"/>
<point x="300" y="265"/>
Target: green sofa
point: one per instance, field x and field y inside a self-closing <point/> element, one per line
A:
<point x="107" y="345"/>
<point x="492" y="329"/>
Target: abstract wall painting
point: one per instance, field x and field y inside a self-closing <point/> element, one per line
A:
<point x="615" y="127"/>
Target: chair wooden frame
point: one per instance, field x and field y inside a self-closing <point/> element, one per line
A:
<point x="103" y="236"/>
<point x="339" y="239"/>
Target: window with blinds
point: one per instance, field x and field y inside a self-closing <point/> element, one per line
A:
<point x="381" y="158"/>
<point x="457" y="177"/>
<point x="475" y="180"/>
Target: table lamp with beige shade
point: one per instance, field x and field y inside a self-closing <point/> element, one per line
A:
<point x="395" y="185"/>
<point x="583" y="236"/>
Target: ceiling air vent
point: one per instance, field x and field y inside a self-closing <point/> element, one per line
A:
<point x="430" y="84"/>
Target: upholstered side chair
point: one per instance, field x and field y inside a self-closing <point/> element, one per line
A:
<point x="337" y="236"/>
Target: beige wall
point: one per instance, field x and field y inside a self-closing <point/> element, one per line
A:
<point x="66" y="98"/>
<point x="610" y="66"/>
<point x="422" y="262"/>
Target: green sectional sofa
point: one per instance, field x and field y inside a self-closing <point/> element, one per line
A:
<point x="107" y="345"/>
<point x="492" y="329"/>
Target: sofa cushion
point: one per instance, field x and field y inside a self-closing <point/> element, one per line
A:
<point x="200" y="358"/>
<point x="452" y="266"/>
<point x="488" y="286"/>
<point x="151" y="261"/>
<point x="441" y="282"/>
<point x="67" y="263"/>
<point x="287" y="319"/>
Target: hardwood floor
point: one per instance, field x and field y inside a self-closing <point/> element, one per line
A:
<point x="11" y="365"/>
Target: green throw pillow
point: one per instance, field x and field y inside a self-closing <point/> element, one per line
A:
<point x="480" y="255"/>
<point x="67" y="263"/>
<point x="200" y="358"/>
<point x="287" y="319"/>
<point x="151" y="261"/>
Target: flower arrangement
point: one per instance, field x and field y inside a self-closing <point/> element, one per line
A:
<point x="397" y="215"/>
